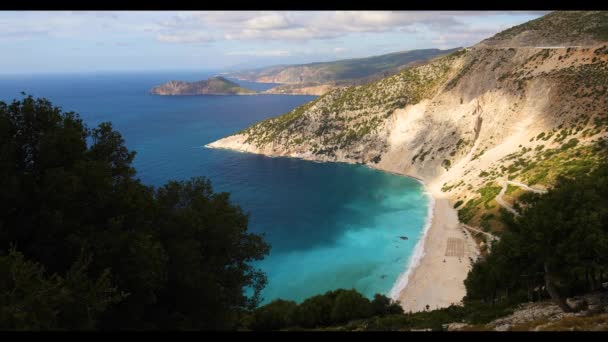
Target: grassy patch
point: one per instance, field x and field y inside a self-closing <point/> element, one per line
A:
<point x="472" y="207"/>
<point x="511" y="189"/>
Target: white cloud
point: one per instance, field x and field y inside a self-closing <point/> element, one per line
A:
<point x="260" y="53"/>
<point x="190" y="27"/>
<point x="184" y="37"/>
<point x="268" y="22"/>
<point x="309" y="25"/>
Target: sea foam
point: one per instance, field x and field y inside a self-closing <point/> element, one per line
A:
<point x="417" y="255"/>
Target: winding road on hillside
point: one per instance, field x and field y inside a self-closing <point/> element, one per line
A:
<point x="506" y="205"/>
<point x="492" y="237"/>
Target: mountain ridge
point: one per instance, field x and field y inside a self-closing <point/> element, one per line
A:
<point x="319" y="77"/>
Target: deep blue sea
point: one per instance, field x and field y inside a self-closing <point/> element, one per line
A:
<point x="330" y="225"/>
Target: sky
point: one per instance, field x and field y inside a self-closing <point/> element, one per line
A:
<point x="94" y="41"/>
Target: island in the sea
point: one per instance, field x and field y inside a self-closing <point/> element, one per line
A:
<point x="214" y="86"/>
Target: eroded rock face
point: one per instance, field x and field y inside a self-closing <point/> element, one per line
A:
<point x="535" y="316"/>
<point x="477" y="110"/>
<point x="528" y="313"/>
<point x="455" y="326"/>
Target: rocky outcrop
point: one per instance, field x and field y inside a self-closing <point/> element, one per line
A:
<point x="537" y="316"/>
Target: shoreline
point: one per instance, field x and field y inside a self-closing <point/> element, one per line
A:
<point x="437" y="281"/>
<point x="418" y="252"/>
<point x="431" y="277"/>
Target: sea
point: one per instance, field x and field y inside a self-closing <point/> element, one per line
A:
<point x="330" y="225"/>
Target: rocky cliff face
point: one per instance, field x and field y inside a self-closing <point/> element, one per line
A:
<point x="463" y="122"/>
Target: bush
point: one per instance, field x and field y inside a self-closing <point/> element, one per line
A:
<point x="382" y="305"/>
<point x="71" y="203"/>
<point x="349" y="305"/>
<point x="273" y="316"/>
<point x="314" y="311"/>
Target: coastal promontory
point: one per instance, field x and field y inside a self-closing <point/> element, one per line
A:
<point x="214" y="86"/>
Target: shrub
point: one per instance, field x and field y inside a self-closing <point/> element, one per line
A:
<point x="275" y="315"/>
<point x="349" y="305"/>
<point x="314" y="311"/>
<point x="382" y="305"/>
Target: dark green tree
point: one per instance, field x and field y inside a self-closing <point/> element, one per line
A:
<point x="30" y="299"/>
<point x="275" y="315"/>
<point x="181" y="252"/>
<point x="349" y="305"/>
<point x="560" y="241"/>
<point x="382" y="305"/>
<point x="314" y="311"/>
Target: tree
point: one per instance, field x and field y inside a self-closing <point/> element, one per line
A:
<point x="559" y="241"/>
<point x="382" y="305"/>
<point x="70" y="198"/>
<point x="275" y="315"/>
<point x="32" y="300"/>
<point x="349" y="305"/>
<point x="314" y="311"/>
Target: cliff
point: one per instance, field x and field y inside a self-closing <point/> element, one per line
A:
<point x="464" y="122"/>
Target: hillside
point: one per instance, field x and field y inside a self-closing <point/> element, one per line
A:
<point x="300" y="79"/>
<point x="213" y="86"/>
<point x="466" y="123"/>
<point x="568" y="28"/>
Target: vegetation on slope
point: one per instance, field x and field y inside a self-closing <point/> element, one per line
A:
<point x="560" y="26"/>
<point x="343" y="72"/>
<point x="560" y="241"/>
<point x="575" y="145"/>
<point x="343" y="117"/>
<point x="85" y="245"/>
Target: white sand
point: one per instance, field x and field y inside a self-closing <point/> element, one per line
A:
<point x="434" y="282"/>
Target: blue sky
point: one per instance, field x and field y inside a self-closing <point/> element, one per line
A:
<point x="41" y="42"/>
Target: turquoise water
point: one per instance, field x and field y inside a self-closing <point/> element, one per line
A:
<point x="330" y="225"/>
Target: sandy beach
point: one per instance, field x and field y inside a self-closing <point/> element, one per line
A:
<point x="438" y="281"/>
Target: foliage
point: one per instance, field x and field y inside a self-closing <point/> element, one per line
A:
<point x="330" y="309"/>
<point x="72" y="206"/>
<point x="33" y="300"/>
<point x="354" y="115"/>
<point x="487" y="193"/>
<point x="275" y="315"/>
<point x="560" y="241"/>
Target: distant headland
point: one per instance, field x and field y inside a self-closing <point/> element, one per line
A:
<point x="214" y="86"/>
